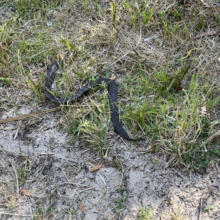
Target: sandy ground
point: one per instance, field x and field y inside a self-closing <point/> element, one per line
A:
<point x="57" y="176"/>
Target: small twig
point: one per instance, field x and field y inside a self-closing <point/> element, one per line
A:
<point x="1" y="181"/>
<point x="208" y="33"/>
<point x="214" y="3"/>
<point x="21" y="215"/>
<point x="42" y="195"/>
<point x="104" y="183"/>
<point x="145" y="151"/>
<point x="124" y="143"/>
<point x="90" y="159"/>
<point x="27" y="116"/>
<point x="179" y="174"/>
<point x="15" y="171"/>
<point x="65" y="175"/>
<point x="19" y="126"/>
<point x="168" y="163"/>
<point x="46" y="153"/>
<point x="87" y="189"/>
<point x="16" y="176"/>
<point x="119" y="59"/>
<point x="207" y="189"/>
<point x="38" y="70"/>
<point x="141" y="128"/>
<point x="140" y="32"/>
<point x="75" y="184"/>
<point x="97" y="208"/>
<point x="6" y="129"/>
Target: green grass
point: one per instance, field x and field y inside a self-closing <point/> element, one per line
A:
<point x="145" y="214"/>
<point x="172" y="100"/>
<point x="42" y="212"/>
<point x="175" y="112"/>
<point x="31" y="9"/>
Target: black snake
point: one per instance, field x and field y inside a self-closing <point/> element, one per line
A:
<point x="112" y="89"/>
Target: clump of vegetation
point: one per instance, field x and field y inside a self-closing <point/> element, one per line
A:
<point x="145" y="214"/>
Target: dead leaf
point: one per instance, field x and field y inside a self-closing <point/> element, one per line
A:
<point x="207" y="190"/>
<point x="81" y="206"/>
<point x="136" y="5"/>
<point x="203" y="111"/>
<point x="113" y="77"/>
<point x="208" y="33"/>
<point x="96" y="168"/>
<point x="50" y="216"/>
<point x="26" y="192"/>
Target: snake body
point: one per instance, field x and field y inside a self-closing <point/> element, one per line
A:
<point x="112" y="89"/>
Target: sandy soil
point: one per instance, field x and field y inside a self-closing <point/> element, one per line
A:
<point x="56" y="174"/>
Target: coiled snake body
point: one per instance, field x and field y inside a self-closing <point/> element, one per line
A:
<point x="112" y="89"/>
